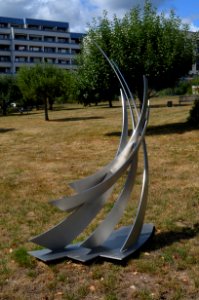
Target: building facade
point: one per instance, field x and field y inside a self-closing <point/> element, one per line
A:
<point x="195" y="67"/>
<point x="30" y="41"/>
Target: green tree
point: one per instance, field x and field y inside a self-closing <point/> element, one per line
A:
<point x="43" y="82"/>
<point x="143" y="42"/>
<point x="9" y="92"/>
<point x="95" y="80"/>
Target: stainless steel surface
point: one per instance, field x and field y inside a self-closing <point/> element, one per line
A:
<point x="111" y="249"/>
<point x="94" y="191"/>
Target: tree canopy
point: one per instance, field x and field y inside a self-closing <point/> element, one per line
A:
<point x="143" y="42"/>
<point x="9" y="92"/>
<point x="42" y="82"/>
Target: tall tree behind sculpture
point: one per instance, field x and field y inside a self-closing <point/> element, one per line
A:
<point x="143" y="42"/>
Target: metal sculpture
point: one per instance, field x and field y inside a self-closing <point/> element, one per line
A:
<point x="93" y="192"/>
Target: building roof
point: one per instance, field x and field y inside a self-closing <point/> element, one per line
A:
<point x="12" y="20"/>
<point x="30" y="21"/>
<point x="64" y="25"/>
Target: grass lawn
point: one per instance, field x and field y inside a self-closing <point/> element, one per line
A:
<point x="37" y="161"/>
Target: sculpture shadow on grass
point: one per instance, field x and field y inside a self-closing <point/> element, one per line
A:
<point x="171" y="128"/>
<point x="167" y="238"/>
<point x="161" y="240"/>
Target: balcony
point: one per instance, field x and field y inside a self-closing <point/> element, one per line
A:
<point x="34" y="27"/>
<point x="36" y="60"/>
<point x="20" y="48"/>
<point x="35" y="38"/>
<point x="4" y="36"/>
<point x="49" y="39"/>
<point x="62" y="40"/>
<point x="35" y="49"/>
<point x="5" y="64"/>
<point x="49" y="50"/>
<point x="63" y="62"/>
<point x="21" y="59"/>
<point x="4" y="58"/>
<point x="63" y="51"/>
<point x="5" y="70"/>
<point x="67" y="66"/>
<point x="5" y="52"/>
<point x="4" y="48"/>
<point x="50" y="60"/>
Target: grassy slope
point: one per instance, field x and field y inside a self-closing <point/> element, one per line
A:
<point x="37" y="161"/>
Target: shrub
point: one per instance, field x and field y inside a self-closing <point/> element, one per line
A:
<point x="183" y="87"/>
<point x="166" y="92"/>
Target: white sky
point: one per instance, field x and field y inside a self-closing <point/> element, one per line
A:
<point x="80" y="12"/>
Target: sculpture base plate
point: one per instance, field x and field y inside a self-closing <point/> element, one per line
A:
<point x="110" y="249"/>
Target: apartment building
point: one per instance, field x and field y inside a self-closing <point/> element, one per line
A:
<point x="195" y="67"/>
<point x="30" y="41"/>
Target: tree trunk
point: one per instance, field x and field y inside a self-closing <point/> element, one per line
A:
<point x="140" y="89"/>
<point x="110" y="103"/>
<point x="46" y="109"/>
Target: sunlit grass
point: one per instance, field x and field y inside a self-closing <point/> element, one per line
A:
<point x="37" y="161"/>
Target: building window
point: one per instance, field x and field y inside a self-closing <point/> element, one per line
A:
<point x="75" y="41"/>
<point x="35" y="38"/>
<point x="35" y="59"/>
<point x="20" y="59"/>
<point x="4" y="58"/>
<point x="75" y="51"/>
<point x="49" y="28"/>
<point x="4" y="36"/>
<point x="4" y="48"/>
<point x="49" y="49"/>
<point x="20" y="37"/>
<point x="34" y="27"/>
<point x="34" y="48"/>
<point x="64" y="61"/>
<point x="62" y="40"/>
<point x="17" y="25"/>
<point x="49" y="39"/>
<point x="61" y="29"/>
<point x="3" y="25"/>
<point x="63" y="50"/>
<point x="4" y="70"/>
<point x="20" y="48"/>
<point x="50" y="60"/>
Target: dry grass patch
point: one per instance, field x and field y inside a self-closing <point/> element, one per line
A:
<point x="39" y="159"/>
